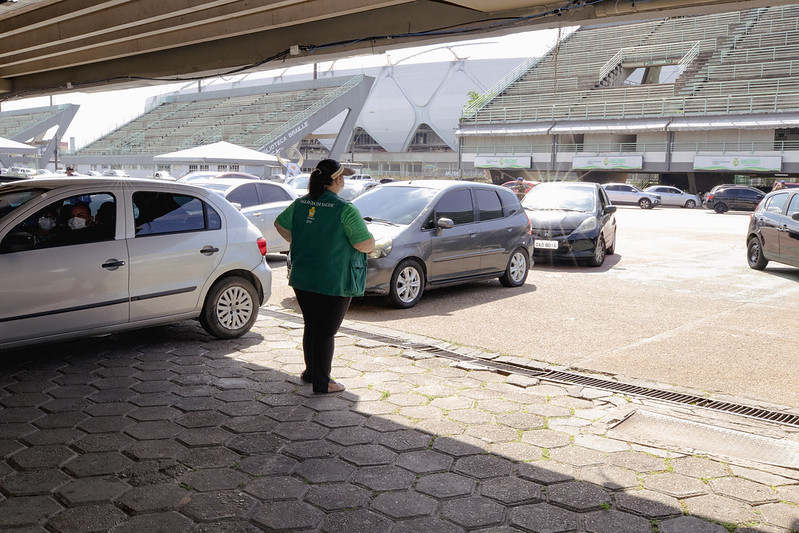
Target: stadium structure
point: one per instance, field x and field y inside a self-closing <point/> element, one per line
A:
<point x="689" y="101"/>
<point x="395" y="120"/>
<point x="43" y="128"/>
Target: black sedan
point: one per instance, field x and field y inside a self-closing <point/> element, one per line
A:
<point x="773" y="233"/>
<point x="571" y="220"/>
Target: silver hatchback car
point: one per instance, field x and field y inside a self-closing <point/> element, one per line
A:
<point x="88" y="256"/>
<point x="432" y="233"/>
<point x="260" y="201"/>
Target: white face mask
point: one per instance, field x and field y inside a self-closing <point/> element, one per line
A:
<point x="46" y="223"/>
<point x="76" y="223"/>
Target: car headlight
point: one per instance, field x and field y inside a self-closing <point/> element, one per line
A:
<point x="382" y="248"/>
<point x="589" y="224"/>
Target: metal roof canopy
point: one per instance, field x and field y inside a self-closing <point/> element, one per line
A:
<point x="49" y="46"/>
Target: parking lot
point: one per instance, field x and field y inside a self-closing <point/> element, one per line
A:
<point x="676" y="305"/>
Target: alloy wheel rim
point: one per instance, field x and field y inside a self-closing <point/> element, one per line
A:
<point x="517" y="267"/>
<point x="408" y="284"/>
<point x="234" y="308"/>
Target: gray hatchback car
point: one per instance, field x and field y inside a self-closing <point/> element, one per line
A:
<point x="433" y="233"/>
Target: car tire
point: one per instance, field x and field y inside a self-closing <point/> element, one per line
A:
<point x="645" y="203"/>
<point x="230" y="308"/>
<point x="612" y="248"/>
<point x="720" y="208"/>
<point x="754" y="254"/>
<point x="407" y="284"/>
<point x="599" y="253"/>
<point x="690" y="204"/>
<point x="516" y="272"/>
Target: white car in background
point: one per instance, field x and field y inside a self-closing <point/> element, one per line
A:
<point x="153" y="252"/>
<point x="115" y="173"/>
<point x="260" y="201"/>
<point x="673" y="196"/>
<point x="352" y="188"/>
<point x="203" y="175"/>
<point x="623" y="193"/>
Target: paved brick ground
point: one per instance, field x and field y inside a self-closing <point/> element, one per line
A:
<point x="169" y="430"/>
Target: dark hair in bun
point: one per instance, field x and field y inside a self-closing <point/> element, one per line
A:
<point x="322" y="177"/>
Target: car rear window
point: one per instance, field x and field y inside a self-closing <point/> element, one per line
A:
<point x="158" y="213"/>
<point x="775" y="203"/>
<point x="488" y="205"/>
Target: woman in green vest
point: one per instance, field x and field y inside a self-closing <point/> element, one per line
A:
<point x="329" y="242"/>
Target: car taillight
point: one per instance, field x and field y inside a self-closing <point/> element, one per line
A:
<point x="709" y="196"/>
<point x="262" y="245"/>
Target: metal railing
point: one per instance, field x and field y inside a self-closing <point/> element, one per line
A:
<point x="309" y="111"/>
<point x="662" y="53"/>
<point x="471" y="108"/>
<point x="721" y="147"/>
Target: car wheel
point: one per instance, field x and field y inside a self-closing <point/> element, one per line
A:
<point x="599" y="254"/>
<point x="230" y="308"/>
<point x="720" y="208"/>
<point x="754" y="254"/>
<point x="407" y="284"/>
<point x="690" y="204"/>
<point x="516" y="272"/>
<point x="645" y="203"/>
<point x="612" y="248"/>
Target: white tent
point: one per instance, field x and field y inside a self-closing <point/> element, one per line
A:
<point x="7" y="146"/>
<point x="219" y="153"/>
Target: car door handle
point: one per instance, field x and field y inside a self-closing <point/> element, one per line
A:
<point x="209" y="250"/>
<point x="113" y="264"/>
<point x="257" y="214"/>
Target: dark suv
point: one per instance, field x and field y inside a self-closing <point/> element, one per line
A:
<point x="774" y="230"/>
<point x="723" y="198"/>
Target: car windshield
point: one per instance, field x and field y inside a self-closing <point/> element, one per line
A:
<point x="11" y="200"/>
<point x="300" y="182"/>
<point x="399" y="205"/>
<point x="218" y="188"/>
<point x="198" y="176"/>
<point x="560" y="198"/>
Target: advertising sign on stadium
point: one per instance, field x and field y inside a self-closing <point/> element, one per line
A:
<point x="772" y="163"/>
<point x="591" y="162"/>
<point x="502" y="162"/>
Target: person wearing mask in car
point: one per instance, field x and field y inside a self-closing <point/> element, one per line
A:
<point x="80" y="226"/>
<point x="46" y="224"/>
<point x="329" y="242"/>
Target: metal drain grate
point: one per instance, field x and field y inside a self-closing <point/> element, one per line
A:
<point x="570" y="378"/>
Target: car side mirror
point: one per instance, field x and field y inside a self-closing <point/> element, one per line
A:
<point x="236" y="205"/>
<point x="444" y="223"/>
<point x="795" y="216"/>
<point x="609" y="209"/>
<point x="18" y="242"/>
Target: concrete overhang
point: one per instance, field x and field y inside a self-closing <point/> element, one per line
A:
<point x="50" y="46"/>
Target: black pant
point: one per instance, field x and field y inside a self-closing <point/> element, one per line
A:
<point x="322" y="315"/>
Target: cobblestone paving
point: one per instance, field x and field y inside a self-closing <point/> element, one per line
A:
<point x="169" y="430"/>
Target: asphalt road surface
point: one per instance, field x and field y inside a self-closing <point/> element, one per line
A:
<point x="676" y="305"/>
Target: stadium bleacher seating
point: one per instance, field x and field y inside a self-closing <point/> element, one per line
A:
<point x="177" y="123"/>
<point x="744" y="62"/>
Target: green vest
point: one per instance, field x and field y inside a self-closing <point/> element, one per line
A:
<point x="322" y="258"/>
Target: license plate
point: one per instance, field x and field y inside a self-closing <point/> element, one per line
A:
<point x="546" y="245"/>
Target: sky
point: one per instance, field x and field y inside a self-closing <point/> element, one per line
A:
<point x="102" y="112"/>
